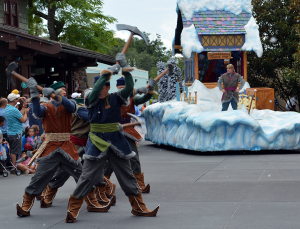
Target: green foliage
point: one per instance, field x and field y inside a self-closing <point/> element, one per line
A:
<point x="76" y="22"/>
<point x="278" y="68"/>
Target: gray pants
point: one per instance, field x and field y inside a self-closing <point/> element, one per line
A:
<point x="92" y="172"/>
<point x="134" y="161"/>
<point x="47" y="168"/>
<point x="60" y="177"/>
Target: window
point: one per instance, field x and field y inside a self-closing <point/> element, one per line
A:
<point x="222" y="40"/>
<point x="11" y="13"/>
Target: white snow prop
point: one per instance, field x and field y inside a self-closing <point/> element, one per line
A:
<point x="252" y="38"/>
<point x="203" y="127"/>
<point x="189" y="7"/>
<point x="190" y="42"/>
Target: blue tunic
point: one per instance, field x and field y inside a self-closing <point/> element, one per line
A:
<point x="98" y="114"/>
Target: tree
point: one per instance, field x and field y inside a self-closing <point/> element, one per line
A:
<point x="76" y="22"/>
<point x="277" y="20"/>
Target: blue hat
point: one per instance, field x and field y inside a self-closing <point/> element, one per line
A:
<point x="97" y="77"/>
<point x="120" y="81"/>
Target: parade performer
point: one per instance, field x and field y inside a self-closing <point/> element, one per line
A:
<point x="80" y="129"/>
<point x="106" y="142"/>
<point x="131" y="134"/>
<point x="57" y="151"/>
<point x="230" y="91"/>
<point x="167" y="84"/>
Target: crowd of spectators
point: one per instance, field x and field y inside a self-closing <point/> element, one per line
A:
<point x="20" y="132"/>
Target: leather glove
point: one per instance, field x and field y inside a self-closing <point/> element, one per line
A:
<point x="31" y="83"/>
<point x="141" y="90"/>
<point x="114" y="69"/>
<point x="152" y="84"/>
<point x="122" y="59"/>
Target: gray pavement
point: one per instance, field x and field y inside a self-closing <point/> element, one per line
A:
<point x="232" y="190"/>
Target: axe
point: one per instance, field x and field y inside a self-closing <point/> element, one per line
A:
<point x="139" y="122"/>
<point x="134" y="31"/>
<point x="10" y="73"/>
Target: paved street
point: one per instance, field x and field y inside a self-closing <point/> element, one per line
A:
<point x="241" y="190"/>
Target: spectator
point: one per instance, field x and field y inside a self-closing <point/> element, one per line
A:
<point x="3" y="104"/>
<point x="24" y="167"/>
<point x="14" y="120"/>
<point x="24" y="103"/>
<point x="33" y="120"/>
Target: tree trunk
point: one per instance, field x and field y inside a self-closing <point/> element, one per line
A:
<point x="51" y="22"/>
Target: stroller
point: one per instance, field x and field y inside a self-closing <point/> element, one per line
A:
<point x="5" y="160"/>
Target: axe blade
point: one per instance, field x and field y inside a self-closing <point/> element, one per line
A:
<point x="9" y="71"/>
<point x="134" y="30"/>
<point x="141" y="122"/>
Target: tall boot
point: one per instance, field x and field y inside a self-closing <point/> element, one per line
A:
<point x="100" y="195"/>
<point x="48" y="198"/>
<point x="43" y="194"/>
<point x="140" y="180"/>
<point x="139" y="207"/>
<point x="93" y="205"/>
<point x="110" y="188"/>
<point x="26" y="205"/>
<point x="74" y="206"/>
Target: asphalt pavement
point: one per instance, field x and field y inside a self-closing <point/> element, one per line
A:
<point x="232" y="190"/>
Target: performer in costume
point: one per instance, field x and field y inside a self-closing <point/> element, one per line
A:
<point x="57" y="151"/>
<point x="106" y="142"/>
<point x="80" y="129"/>
<point x="131" y="134"/>
<point x="230" y="91"/>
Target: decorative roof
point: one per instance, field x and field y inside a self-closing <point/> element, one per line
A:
<point x="218" y="22"/>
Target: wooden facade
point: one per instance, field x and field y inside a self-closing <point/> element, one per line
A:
<point x="44" y="59"/>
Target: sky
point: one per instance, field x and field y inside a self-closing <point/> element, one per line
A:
<point x="151" y="16"/>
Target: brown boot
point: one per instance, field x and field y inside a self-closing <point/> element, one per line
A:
<point x="26" y="205"/>
<point x="74" y="206"/>
<point x="43" y="194"/>
<point x="139" y="207"/>
<point x="93" y="205"/>
<point x="48" y="198"/>
<point x="100" y="195"/>
<point x="110" y="188"/>
<point x="140" y="180"/>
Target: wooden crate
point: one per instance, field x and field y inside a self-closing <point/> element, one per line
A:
<point x="265" y="97"/>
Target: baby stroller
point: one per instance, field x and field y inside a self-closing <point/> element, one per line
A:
<point x="5" y="160"/>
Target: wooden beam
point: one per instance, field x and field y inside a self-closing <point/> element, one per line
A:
<point x="245" y="65"/>
<point x="13" y="45"/>
<point x="196" y="60"/>
<point x="22" y="62"/>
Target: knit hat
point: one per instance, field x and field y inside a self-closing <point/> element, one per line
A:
<point x="96" y="79"/>
<point x="12" y="96"/>
<point x="79" y="100"/>
<point x="56" y="85"/>
<point x="120" y="81"/>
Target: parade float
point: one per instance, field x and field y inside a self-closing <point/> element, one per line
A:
<point x="210" y="34"/>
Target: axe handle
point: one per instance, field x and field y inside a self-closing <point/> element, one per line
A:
<point x="23" y="79"/>
<point x="130" y="124"/>
<point x="126" y="46"/>
<point x="157" y="78"/>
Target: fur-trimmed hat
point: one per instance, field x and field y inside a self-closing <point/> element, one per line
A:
<point x="57" y="85"/>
